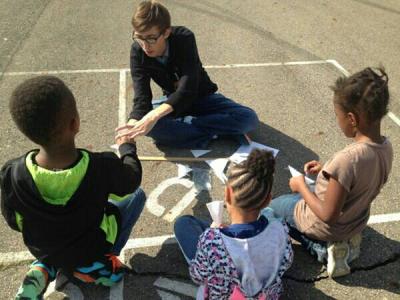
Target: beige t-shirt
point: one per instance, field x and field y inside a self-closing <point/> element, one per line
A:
<point x="362" y="169"/>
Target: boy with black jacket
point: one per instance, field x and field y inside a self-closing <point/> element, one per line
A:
<point x="58" y="195"/>
<point x="191" y="113"/>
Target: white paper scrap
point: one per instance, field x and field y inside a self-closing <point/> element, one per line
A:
<point x="114" y="146"/>
<point x="295" y="173"/>
<point x="216" y="209"/>
<point x="198" y="153"/>
<point x="183" y="170"/>
<point x="243" y="151"/>
<point x="218" y="166"/>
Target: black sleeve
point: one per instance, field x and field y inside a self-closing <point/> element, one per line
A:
<point x="7" y="211"/>
<point x="141" y="86"/>
<point x="125" y="173"/>
<point x="188" y="85"/>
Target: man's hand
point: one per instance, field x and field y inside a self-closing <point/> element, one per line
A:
<point x="139" y="128"/>
<point x="136" y="128"/>
<point x="297" y="183"/>
<point x="312" y="167"/>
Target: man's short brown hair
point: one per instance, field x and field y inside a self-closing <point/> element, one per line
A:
<point x="149" y="14"/>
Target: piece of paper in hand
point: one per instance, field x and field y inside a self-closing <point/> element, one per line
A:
<point x="243" y="151"/>
<point x="216" y="209"/>
<point x="295" y="173"/>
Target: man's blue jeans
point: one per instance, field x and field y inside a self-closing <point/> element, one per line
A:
<point x="283" y="207"/>
<point x="213" y="115"/>
<point x="130" y="210"/>
<point x="187" y="232"/>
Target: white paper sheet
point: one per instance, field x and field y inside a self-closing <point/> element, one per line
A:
<point x="216" y="209"/>
<point x="218" y="166"/>
<point x="295" y="173"/>
<point x="183" y="170"/>
<point x="197" y="153"/>
<point x="243" y="151"/>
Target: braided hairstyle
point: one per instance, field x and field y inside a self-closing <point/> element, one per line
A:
<point x="365" y="92"/>
<point x="251" y="181"/>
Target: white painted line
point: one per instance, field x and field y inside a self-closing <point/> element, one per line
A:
<point x="122" y="99"/>
<point x="272" y="64"/>
<point x="172" y="214"/>
<point x="394" y="118"/>
<point x="8" y="259"/>
<point x="16" y="258"/>
<point x="150" y="241"/>
<point x="56" y="72"/>
<point x="167" y="296"/>
<point x="339" y="67"/>
<point x="384" y="218"/>
<point x="251" y="65"/>
<point x="117" y="291"/>
<point x="347" y="73"/>
<point x="176" y="286"/>
<point x="152" y="203"/>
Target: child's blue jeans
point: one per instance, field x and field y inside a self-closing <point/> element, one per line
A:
<point x="130" y="210"/>
<point x="283" y="207"/>
<point x="213" y="115"/>
<point x="187" y="232"/>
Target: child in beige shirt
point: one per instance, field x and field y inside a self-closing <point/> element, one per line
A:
<point x="328" y="220"/>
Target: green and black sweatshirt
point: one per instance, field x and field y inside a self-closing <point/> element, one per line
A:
<point x="65" y="217"/>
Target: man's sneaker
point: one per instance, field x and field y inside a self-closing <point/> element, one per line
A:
<point x="338" y="254"/>
<point x="354" y="244"/>
<point x="107" y="272"/>
<point x="36" y="281"/>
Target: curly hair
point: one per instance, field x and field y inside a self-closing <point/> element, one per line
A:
<point x="363" y="92"/>
<point x="251" y="181"/>
<point x="38" y="107"/>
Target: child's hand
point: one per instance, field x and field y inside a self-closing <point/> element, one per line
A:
<point x="297" y="183"/>
<point x="312" y="167"/>
<point x="216" y="225"/>
<point x="124" y="139"/>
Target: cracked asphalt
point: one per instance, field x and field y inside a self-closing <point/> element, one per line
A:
<point x="293" y="103"/>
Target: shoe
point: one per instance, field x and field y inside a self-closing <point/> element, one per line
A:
<point x="354" y="243"/>
<point x="36" y="281"/>
<point x="107" y="272"/>
<point x="338" y="254"/>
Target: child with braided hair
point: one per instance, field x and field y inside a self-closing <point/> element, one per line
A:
<point x="328" y="221"/>
<point x="247" y="259"/>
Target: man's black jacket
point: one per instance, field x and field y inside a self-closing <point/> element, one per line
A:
<point x="183" y="79"/>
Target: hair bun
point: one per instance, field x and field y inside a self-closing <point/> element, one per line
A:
<point x="260" y="163"/>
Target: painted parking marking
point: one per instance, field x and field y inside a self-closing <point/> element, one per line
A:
<point x="201" y="182"/>
<point x="123" y="71"/>
<point x="176" y="286"/>
<point x="8" y="259"/>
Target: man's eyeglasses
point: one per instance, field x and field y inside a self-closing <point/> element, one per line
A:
<point x="149" y="40"/>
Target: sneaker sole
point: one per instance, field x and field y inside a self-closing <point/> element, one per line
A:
<point x="338" y="255"/>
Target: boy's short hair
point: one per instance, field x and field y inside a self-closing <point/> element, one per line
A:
<point x="149" y="14"/>
<point x="40" y="107"/>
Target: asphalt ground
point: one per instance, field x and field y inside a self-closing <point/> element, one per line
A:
<point x="294" y="104"/>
